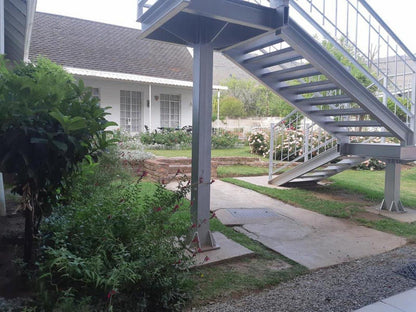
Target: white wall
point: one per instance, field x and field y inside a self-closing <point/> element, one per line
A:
<point x="110" y="96"/>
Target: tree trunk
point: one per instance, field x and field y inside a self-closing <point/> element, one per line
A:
<point x="28" y="241"/>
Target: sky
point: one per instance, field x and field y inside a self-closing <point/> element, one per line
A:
<point x="398" y="14"/>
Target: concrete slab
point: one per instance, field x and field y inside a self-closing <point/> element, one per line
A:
<point x="405" y="301"/>
<point x="228" y="250"/>
<point x="261" y="181"/>
<point x="241" y="216"/>
<point x="379" y="307"/>
<point x="408" y="217"/>
<point x="306" y="237"/>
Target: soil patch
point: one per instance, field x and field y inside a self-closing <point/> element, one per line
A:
<point x="12" y="284"/>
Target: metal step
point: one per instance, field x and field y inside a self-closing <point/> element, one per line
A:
<point x="339" y="112"/>
<point x="311" y="87"/>
<point x="321" y="173"/>
<point x="306" y="167"/>
<point x="325" y="100"/>
<point x="305" y="179"/>
<point x="355" y="123"/>
<point x="292" y="73"/>
<point x="259" y="43"/>
<point x="275" y="58"/>
<point x="365" y="133"/>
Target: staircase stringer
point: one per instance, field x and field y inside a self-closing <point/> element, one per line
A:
<point x="290" y="98"/>
<point x="321" y="59"/>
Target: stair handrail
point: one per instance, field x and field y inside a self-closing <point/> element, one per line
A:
<point x="411" y="66"/>
<point x="307" y="151"/>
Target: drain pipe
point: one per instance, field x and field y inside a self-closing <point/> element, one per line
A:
<point x="3" y="212"/>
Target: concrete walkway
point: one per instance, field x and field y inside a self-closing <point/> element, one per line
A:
<point x="403" y="302"/>
<point x="306" y="237"/>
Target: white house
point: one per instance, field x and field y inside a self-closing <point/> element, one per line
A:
<point x="146" y="83"/>
<point x="16" y="19"/>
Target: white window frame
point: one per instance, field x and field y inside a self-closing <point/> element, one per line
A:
<point x="130" y="111"/>
<point x="170" y="110"/>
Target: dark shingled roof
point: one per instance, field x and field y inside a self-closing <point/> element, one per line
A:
<point x="91" y="45"/>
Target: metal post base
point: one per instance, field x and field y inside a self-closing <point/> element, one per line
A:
<point x="391" y="201"/>
<point x="206" y="244"/>
<point x="393" y="206"/>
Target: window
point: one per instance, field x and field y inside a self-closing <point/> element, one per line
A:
<point x="95" y="92"/>
<point x="170" y="110"/>
<point x="130" y="110"/>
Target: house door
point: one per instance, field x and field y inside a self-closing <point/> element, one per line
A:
<point x="130" y="111"/>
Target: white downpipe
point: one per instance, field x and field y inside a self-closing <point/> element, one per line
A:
<point x="3" y="212"/>
<point x="413" y="120"/>
<point x="218" y="108"/>
<point x="150" y="107"/>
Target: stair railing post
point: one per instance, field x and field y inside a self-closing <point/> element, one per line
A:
<point x="305" y="141"/>
<point x="271" y="150"/>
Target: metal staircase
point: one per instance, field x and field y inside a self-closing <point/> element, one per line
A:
<point x="335" y="61"/>
<point x="301" y="152"/>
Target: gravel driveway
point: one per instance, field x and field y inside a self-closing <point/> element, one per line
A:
<point x="345" y="287"/>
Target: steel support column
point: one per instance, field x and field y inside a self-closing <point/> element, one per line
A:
<point x="2" y="27"/>
<point x="201" y="144"/>
<point x="391" y="201"/>
<point x="3" y="212"/>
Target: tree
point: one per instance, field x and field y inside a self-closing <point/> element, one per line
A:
<point x="245" y="91"/>
<point x="257" y="100"/>
<point x="48" y="125"/>
<point x="231" y="107"/>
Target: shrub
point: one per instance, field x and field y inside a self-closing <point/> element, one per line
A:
<point x="49" y="124"/>
<point x="167" y="138"/>
<point x="231" y="107"/>
<point x="259" y="143"/>
<point x="372" y="164"/>
<point x="115" y="246"/>
<point x="290" y="143"/>
<point x="224" y="139"/>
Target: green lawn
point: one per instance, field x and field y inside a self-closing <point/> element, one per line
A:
<point x="232" y="152"/>
<point x="304" y="199"/>
<point x="368" y="183"/>
<point x="240" y="171"/>
<point x="371" y="184"/>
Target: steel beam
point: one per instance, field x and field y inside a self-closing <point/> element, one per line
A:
<point x="201" y="144"/>
<point x="391" y="201"/>
<point x="160" y="13"/>
<point x="380" y="151"/>
<point x="237" y="12"/>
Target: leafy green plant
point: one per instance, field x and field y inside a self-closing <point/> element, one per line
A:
<point x="49" y="124"/>
<point x="167" y="138"/>
<point x="116" y="245"/>
<point x="224" y="139"/>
